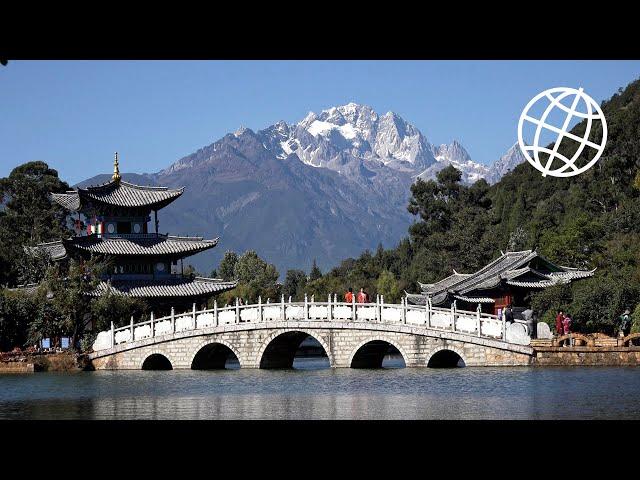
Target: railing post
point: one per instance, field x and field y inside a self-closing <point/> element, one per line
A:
<point x="173" y="320"/>
<point x="404" y="310"/>
<point x="132" y="337"/>
<point x="194" y="315"/>
<point x="259" y="308"/>
<point x="283" y="312"/>
<point x="378" y="309"/>
<point x="453" y="316"/>
<point x="237" y="310"/>
<point x="504" y="328"/>
<point x="113" y="336"/>
<point x="306" y="308"/>
<point x="329" y="310"/>
<point x="353" y="307"/>
<point x="215" y="313"/>
<point x="153" y="325"/>
<point x="478" y="310"/>
<point x="427" y="307"/>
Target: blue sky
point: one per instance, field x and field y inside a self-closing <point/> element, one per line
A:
<point x="75" y="114"/>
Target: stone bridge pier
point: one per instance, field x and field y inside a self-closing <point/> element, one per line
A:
<point x="348" y="345"/>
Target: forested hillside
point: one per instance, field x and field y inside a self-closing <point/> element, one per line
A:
<point x="590" y="220"/>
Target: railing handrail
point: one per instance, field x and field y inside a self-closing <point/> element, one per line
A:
<point x="455" y="316"/>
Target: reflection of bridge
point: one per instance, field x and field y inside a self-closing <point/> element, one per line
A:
<point x="267" y="335"/>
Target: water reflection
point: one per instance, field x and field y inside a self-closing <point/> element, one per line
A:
<point x="311" y="391"/>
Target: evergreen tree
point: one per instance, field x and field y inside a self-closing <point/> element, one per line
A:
<point x="315" y="273"/>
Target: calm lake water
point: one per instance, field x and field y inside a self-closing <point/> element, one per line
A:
<point x="311" y="392"/>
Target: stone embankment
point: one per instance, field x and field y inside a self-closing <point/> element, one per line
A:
<point x="43" y="362"/>
<point x="592" y="349"/>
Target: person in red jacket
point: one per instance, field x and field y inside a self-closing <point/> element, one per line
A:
<point x="560" y="323"/>
<point x="348" y="296"/>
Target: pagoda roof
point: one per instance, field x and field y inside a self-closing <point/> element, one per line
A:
<point x="172" y="287"/>
<point x="513" y="268"/>
<point x="55" y="250"/>
<point x="140" y="244"/>
<point x="120" y="194"/>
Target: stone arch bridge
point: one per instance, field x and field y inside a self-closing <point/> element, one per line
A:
<point x="352" y="335"/>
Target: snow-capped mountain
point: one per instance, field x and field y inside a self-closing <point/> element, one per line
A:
<point x="328" y="187"/>
<point x="505" y="164"/>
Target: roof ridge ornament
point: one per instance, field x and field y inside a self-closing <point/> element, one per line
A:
<point x="116" y="171"/>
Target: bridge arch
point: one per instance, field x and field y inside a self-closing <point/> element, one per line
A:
<point x="226" y="348"/>
<point x="445" y="357"/>
<point x="626" y="340"/>
<point x="376" y="354"/>
<point x="583" y="338"/>
<point x="278" y="349"/>
<point x="157" y="360"/>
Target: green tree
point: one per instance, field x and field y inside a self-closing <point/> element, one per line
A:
<point x="315" y="271"/>
<point x="228" y="265"/>
<point x="294" y="284"/>
<point x="387" y="285"/>
<point x="256" y="277"/>
<point x="28" y="216"/>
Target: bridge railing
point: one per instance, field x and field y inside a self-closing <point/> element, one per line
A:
<point x="451" y="319"/>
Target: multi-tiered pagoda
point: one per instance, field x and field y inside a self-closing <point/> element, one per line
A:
<point x="145" y="263"/>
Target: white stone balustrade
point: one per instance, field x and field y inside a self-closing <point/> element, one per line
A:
<point x="318" y="312"/>
<point x="205" y="320"/>
<point x="272" y="313"/>
<point x="142" y="332"/>
<point x="465" y="322"/>
<point x="226" y="317"/>
<point x="391" y="315"/>
<point x="249" y="314"/>
<point x="184" y="322"/>
<point x="366" y="313"/>
<point x="295" y="312"/>
<point x="342" y="313"/>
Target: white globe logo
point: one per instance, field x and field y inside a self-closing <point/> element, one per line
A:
<point x="565" y="167"/>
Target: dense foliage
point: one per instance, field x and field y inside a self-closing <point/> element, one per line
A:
<point x="27" y="216"/>
<point x="588" y="221"/>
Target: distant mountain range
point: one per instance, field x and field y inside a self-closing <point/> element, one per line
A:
<point x="327" y="187"/>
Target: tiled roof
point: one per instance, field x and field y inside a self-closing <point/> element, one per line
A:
<point x="55" y="250"/>
<point x="70" y="201"/>
<point x="474" y="299"/>
<point x="179" y="287"/>
<point x="444" y="283"/>
<point x="141" y="244"/>
<point x="119" y="193"/>
<point x="509" y="267"/>
<point x="553" y="279"/>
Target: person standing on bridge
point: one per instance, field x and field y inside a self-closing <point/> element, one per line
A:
<point x="348" y="296"/>
<point x="362" y="296"/>
<point x="566" y="327"/>
<point x="559" y="323"/>
<point x="508" y="314"/>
